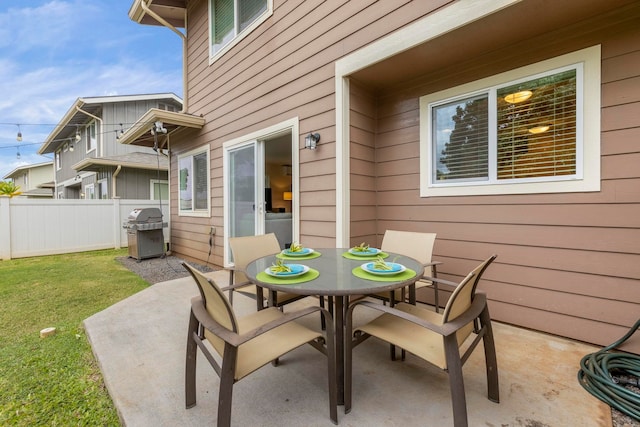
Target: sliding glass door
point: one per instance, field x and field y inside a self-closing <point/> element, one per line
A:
<point x="245" y="181"/>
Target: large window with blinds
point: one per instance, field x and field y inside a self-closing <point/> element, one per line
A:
<point x="520" y="134"/>
<point x="230" y="20"/>
<point x="193" y="183"/>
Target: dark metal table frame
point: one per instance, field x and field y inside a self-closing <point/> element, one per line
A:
<point x="338" y="282"/>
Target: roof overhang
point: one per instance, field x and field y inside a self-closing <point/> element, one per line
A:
<point x="140" y="132"/>
<point x="76" y="116"/>
<point x="138" y="161"/>
<point x="172" y="11"/>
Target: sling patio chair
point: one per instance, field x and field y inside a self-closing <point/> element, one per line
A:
<point x="420" y="247"/>
<point x="249" y="248"/>
<point x="440" y="339"/>
<point x="242" y="345"/>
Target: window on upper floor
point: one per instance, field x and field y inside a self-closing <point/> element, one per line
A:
<point x="58" y="164"/>
<point x="525" y="131"/>
<point x="193" y="182"/>
<point x="92" y="136"/>
<point x="231" y="20"/>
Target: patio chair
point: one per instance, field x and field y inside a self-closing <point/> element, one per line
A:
<point x="246" y="249"/>
<point x="420" y="247"/>
<point x="242" y="345"/>
<point x="440" y="339"/>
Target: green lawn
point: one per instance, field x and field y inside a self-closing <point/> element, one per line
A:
<point x="55" y="381"/>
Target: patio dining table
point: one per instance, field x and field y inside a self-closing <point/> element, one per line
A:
<point x="336" y="273"/>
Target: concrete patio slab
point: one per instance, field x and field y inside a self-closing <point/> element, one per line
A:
<point x="140" y="346"/>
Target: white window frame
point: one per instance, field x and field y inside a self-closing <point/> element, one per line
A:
<point x="103" y="189"/>
<point x="587" y="177"/>
<point x="193" y="212"/>
<point x="58" y="161"/>
<point x="213" y="56"/>
<point x="90" y="192"/>
<point x="152" y="184"/>
<point x="92" y="143"/>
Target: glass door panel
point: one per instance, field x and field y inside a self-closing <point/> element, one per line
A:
<point x="242" y="191"/>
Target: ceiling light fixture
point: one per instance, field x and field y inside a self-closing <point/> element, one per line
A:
<point x="539" y="129"/>
<point x="514" y="98"/>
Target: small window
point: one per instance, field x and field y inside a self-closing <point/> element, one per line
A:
<point x="159" y="189"/>
<point x="89" y="191"/>
<point x="193" y="182"/>
<point x="57" y="156"/>
<point x="230" y="20"/>
<point x="520" y="135"/>
<point x="167" y="107"/>
<point x="103" y="190"/>
<point x="92" y="136"/>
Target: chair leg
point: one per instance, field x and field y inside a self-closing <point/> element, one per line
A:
<point x="493" y="388"/>
<point x="190" y="364"/>
<point x="456" y="381"/>
<point x="323" y="323"/>
<point x="225" y="394"/>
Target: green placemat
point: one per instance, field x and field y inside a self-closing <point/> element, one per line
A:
<point x="312" y="255"/>
<point x="364" y="258"/>
<point x="306" y="277"/>
<point x="407" y="274"/>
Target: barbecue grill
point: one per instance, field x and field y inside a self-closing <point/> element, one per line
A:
<point x="144" y="233"/>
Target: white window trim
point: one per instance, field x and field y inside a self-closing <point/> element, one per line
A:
<point x="213" y="57"/>
<point x="101" y="183"/>
<point x="88" y="134"/>
<point x="86" y="191"/>
<point x="193" y="213"/>
<point x="588" y="123"/>
<point x="58" y="160"/>
<point x="152" y="184"/>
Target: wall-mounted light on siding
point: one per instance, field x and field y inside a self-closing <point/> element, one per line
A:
<point x="539" y="129"/>
<point x="311" y="141"/>
<point x="78" y="136"/>
<point x="19" y="136"/>
<point x="514" y="98"/>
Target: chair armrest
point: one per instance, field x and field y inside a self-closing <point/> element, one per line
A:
<point x="432" y="263"/>
<point x="200" y="312"/>
<point x="237" y="285"/>
<point x="478" y="304"/>
<point x="438" y="280"/>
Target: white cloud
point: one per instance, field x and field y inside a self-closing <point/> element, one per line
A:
<point x="54" y="51"/>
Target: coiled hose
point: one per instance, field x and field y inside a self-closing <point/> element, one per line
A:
<point x="596" y="375"/>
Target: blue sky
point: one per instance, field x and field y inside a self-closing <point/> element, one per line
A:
<point x="55" y="51"/>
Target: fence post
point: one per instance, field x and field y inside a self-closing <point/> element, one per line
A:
<point x="5" y="228"/>
<point x="117" y="222"/>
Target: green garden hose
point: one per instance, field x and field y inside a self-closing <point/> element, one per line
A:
<point x="596" y="375"/>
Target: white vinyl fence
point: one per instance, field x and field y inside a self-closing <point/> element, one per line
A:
<point x="33" y="227"/>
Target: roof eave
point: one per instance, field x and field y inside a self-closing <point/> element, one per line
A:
<point x="140" y="132"/>
<point x="172" y="11"/>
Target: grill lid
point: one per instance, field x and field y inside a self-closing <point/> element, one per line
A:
<point x="145" y="215"/>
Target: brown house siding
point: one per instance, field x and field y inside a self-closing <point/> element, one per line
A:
<point x="569" y="264"/>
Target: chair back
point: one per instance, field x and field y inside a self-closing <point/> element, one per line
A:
<point x="216" y="304"/>
<point x="416" y="245"/>
<point x="248" y="248"/>
<point x="462" y="297"/>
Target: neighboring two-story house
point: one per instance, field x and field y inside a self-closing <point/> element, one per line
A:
<point x="35" y="181"/>
<point x="89" y="163"/>
<point x="504" y="126"/>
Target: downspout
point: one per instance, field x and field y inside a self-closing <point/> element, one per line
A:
<point x="97" y="133"/>
<point x="113" y="181"/>
<point x="185" y="97"/>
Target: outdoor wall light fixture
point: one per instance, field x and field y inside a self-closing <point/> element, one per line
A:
<point x="78" y="136"/>
<point x="311" y="141"/>
<point x="19" y="136"/>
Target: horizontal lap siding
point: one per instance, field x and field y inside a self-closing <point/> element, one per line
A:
<point x="283" y="69"/>
<point x="568" y="264"/>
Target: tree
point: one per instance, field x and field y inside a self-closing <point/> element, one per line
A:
<point x="9" y="189"/>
